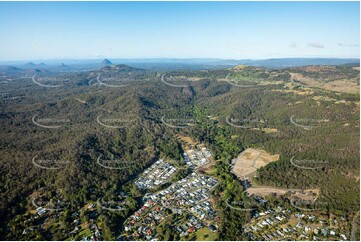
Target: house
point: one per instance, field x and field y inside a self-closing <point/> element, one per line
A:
<point x="343" y="236"/>
<point x="307" y="228"/>
<point x="212" y="228"/>
<point x="269" y="221"/>
<point x="42" y="211"/>
<point x="191" y="229"/>
<point x="315" y="238"/>
<point x="264" y="223"/>
<point x="312" y="218"/>
<point x="299" y="225"/>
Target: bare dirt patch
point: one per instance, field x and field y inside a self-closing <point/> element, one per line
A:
<point x="265" y="191"/>
<point x="187" y="140"/>
<point x="247" y="162"/>
<point x="308" y="194"/>
<point x="270" y="130"/>
<point x="266" y="130"/>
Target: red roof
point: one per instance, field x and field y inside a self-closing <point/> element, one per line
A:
<point x="191" y="230"/>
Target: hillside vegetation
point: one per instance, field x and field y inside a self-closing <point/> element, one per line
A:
<point x="230" y="110"/>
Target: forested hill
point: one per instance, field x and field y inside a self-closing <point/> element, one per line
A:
<point x="311" y="113"/>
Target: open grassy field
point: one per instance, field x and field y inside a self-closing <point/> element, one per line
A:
<point x="206" y="235"/>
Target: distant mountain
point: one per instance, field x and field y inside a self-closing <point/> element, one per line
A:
<point x="36" y="71"/>
<point x="121" y="68"/>
<point x="29" y="64"/>
<point x="16" y="70"/>
<point x="167" y="64"/>
<point x="64" y="66"/>
<point x="10" y="69"/>
<point x="33" y="65"/>
<point x="106" y="62"/>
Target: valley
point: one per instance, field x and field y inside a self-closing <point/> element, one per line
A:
<point x="125" y="153"/>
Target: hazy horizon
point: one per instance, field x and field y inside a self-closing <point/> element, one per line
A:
<point x="188" y="61"/>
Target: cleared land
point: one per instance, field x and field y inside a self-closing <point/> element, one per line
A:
<point x="187" y="140"/>
<point x="247" y="162"/>
<point x="338" y="85"/>
<point x="267" y="130"/>
<point x="309" y="194"/>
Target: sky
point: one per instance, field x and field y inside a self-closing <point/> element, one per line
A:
<point x="228" y="30"/>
